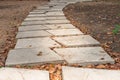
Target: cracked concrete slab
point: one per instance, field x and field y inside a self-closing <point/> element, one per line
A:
<point x="63" y="32"/>
<point x="55" y="18"/>
<point x="43" y="7"/>
<point x="32" y="28"/>
<point x="74" y="41"/>
<point x="38" y="12"/>
<point x="34" y="19"/>
<point x="23" y="74"/>
<point x="54" y="9"/>
<point x="84" y="55"/>
<point x="72" y="73"/>
<point x="32" y="56"/>
<point x="36" y="42"/>
<point x="61" y="26"/>
<point x="57" y="21"/>
<point x="36" y="15"/>
<point x="54" y="13"/>
<point x="33" y="23"/>
<point x="33" y="34"/>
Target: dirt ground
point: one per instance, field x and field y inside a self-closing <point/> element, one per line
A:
<point x="12" y="13"/>
<point x="98" y="19"/>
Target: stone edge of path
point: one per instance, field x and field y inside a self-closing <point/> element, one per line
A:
<point x="74" y="73"/>
<point x="20" y="74"/>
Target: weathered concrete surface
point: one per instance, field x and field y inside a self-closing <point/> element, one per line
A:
<point x="23" y="74"/>
<point x="45" y="27"/>
<point x="85" y="55"/>
<point x="53" y="9"/>
<point x="34" y="19"/>
<point x="44" y="22"/>
<point x="38" y="12"/>
<point x="32" y="34"/>
<point x="55" y="18"/>
<point x="63" y="32"/>
<point x="72" y="73"/>
<point x="32" y="56"/>
<point x="82" y="40"/>
<point x="36" y="15"/>
<point x="43" y="7"/>
<point x="26" y="23"/>
<point x="57" y="21"/>
<point x="36" y="42"/>
<point x="61" y="26"/>
<point x="32" y="28"/>
<point x="54" y="13"/>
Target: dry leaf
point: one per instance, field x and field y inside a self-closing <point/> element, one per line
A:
<point x="101" y="66"/>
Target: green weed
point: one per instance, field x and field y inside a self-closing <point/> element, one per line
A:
<point x="116" y="29"/>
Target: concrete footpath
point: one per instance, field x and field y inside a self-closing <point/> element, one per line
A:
<point x="46" y="36"/>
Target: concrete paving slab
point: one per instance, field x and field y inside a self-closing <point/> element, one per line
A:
<point x="86" y="0"/>
<point x="59" y="7"/>
<point x="38" y="12"/>
<point x="32" y="28"/>
<point x="56" y="3"/>
<point x="72" y="73"/>
<point x="56" y="18"/>
<point x="61" y="26"/>
<point x="36" y="15"/>
<point x="34" y="19"/>
<point x="74" y="41"/>
<point x="53" y="9"/>
<point x="73" y="1"/>
<point x="41" y="22"/>
<point x="64" y="1"/>
<point x="32" y="56"/>
<point x="33" y="23"/>
<point x="33" y="34"/>
<point x="57" y="21"/>
<point x="45" y="18"/>
<point x="23" y="74"/>
<point x="62" y="4"/>
<point x="54" y="13"/>
<point x="36" y="42"/>
<point x="63" y="32"/>
<point x="85" y="55"/>
<point x="43" y="7"/>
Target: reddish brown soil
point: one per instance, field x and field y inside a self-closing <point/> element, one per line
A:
<point x="12" y="13"/>
<point x="98" y="19"/>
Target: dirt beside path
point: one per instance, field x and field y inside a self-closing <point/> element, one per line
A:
<point x="99" y="20"/>
<point x="12" y="13"/>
